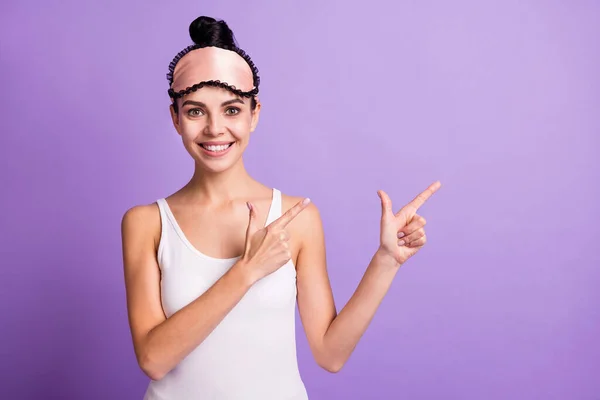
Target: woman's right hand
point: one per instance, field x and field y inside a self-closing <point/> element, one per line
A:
<point x="267" y="249"/>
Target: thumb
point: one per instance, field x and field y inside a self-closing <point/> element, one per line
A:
<point x="251" y="225"/>
<point x="386" y="204"/>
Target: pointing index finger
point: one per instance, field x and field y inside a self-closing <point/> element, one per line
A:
<point x="424" y="196"/>
<point x="290" y="214"/>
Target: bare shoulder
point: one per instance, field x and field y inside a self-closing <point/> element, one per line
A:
<point x="141" y="222"/>
<point x="309" y="220"/>
<point x="307" y="228"/>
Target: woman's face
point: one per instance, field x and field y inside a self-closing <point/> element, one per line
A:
<point x="215" y="126"/>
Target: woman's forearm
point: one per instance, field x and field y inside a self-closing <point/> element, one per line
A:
<point x="171" y="341"/>
<point x="352" y="321"/>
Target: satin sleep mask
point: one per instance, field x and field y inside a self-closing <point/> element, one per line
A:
<point x="197" y="66"/>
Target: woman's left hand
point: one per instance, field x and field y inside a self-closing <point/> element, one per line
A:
<point x="403" y="234"/>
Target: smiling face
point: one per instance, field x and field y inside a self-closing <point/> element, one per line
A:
<point x="215" y="126"/>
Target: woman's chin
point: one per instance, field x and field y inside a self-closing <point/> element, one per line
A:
<point x="215" y="166"/>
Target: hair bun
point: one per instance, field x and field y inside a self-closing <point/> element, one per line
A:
<point x="207" y="31"/>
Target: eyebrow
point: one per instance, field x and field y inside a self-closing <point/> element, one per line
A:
<point x="201" y="104"/>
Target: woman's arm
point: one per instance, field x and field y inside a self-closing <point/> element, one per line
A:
<point x="161" y="343"/>
<point x="333" y="337"/>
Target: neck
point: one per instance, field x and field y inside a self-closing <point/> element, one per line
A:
<point x="221" y="187"/>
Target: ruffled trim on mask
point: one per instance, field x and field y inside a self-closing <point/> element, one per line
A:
<point x="175" y="95"/>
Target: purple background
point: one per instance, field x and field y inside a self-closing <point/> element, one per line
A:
<point x="500" y="101"/>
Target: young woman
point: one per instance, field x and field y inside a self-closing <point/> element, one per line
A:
<point x="213" y="272"/>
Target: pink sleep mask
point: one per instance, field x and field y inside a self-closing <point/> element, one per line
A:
<point x="196" y="67"/>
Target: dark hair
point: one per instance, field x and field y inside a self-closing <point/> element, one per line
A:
<point x="204" y="32"/>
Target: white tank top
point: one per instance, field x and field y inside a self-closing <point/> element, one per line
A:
<point x="251" y="355"/>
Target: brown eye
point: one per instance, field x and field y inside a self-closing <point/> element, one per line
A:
<point x="232" y="111"/>
<point x="195" y="112"/>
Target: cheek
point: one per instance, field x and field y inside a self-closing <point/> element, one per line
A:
<point x="190" y="130"/>
<point x="240" y="128"/>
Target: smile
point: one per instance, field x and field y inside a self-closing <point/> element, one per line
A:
<point x="216" y="149"/>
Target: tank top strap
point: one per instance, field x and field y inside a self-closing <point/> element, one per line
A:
<point x="162" y="209"/>
<point x="275" y="209"/>
<point x="164" y="218"/>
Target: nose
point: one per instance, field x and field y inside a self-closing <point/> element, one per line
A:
<point x="215" y="125"/>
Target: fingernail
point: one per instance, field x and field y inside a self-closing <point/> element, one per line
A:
<point x="306" y="201"/>
<point x="400" y="234"/>
<point x="400" y="243"/>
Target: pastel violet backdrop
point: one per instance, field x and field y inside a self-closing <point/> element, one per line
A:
<point x="499" y="100"/>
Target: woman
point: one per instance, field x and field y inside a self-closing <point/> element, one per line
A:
<point x="213" y="272"/>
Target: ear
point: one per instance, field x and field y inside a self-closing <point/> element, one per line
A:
<point x="255" y="116"/>
<point x="175" y="118"/>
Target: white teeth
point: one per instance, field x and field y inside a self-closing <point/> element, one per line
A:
<point x="217" y="148"/>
